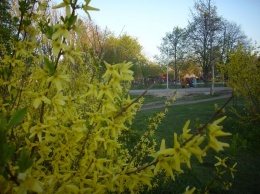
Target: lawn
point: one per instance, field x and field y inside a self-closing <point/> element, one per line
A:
<point x="247" y="176"/>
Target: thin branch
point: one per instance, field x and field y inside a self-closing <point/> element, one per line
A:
<point x="134" y="101"/>
<point x="12" y="177"/>
<point x="142" y="167"/>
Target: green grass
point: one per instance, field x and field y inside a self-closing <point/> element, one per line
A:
<point x="246" y="178"/>
<point x="150" y="98"/>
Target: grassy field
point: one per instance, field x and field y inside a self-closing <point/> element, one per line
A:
<point x="247" y="177"/>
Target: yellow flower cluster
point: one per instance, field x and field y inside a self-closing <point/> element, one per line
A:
<point x="170" y="159"/>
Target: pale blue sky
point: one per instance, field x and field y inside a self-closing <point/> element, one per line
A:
<point x="149" y="20"/>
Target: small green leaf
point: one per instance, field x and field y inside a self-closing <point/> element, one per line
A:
<point x="17" y="117"/>
<point x="9" y="153"/>
<point x="27" y="22"/>
<point x="24" y="162"/>
<point x="72" y="20"/>
<point x="15" y="19"/>
<point x="49" y="65"/>
<point x="49" y="31"/>
<point x="3" y="122"/>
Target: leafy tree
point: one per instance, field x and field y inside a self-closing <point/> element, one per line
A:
<point x="139" y="67"/>
<point x="243" y="69"/>
<point x="123" y="48"/>
<point x="63" y="127"/>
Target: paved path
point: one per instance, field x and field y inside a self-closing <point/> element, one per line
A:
<point x="154" y="106"/>
<point x="181" y="90"/>
<point x="224" y="91"/>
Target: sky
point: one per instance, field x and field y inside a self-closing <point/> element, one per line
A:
<point x="150" y="20"/>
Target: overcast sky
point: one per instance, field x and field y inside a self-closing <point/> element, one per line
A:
<point x="149" y="20"/>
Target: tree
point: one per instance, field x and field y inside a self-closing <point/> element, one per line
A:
<point x="123" y="48"/>
<point x="173" y="44"/>
<point x="232" y="36"/>
<point x="203" y="31"/>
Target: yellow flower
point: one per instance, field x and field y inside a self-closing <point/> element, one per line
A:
<point x="39" y="99"/>
<point x="111" y="70"/>
<point x="13" y="61"/>
<point x="216" y="131"/>
<point x="167" y="103"/>
<point x="70" y="54"/>
<point x="193" y="147"/>
<point x="115" y="128"/>
<point x="189" y="191"/>
<point x="180" y="154"/>
<point x="62" y="30"/>
<point x="221" y="162"/>
<point x="226" y="186"/>
<point x="125" y="73"/>
<point x="66" y="4"/>
<point x="185" y="131"/>
<point x="38" y="130"/>
<point x="2" y="106"/>
<point x="28" y="183"/>
<point x="92" y="89"/>
<point x="95" y="117"/>
<point x="20" y="49"/>
<point x="58" y="46"/>
<point x="162" y="160"/>
<point x="115" y="84"/>
<point x="12" y="83"/>
<point x="58" y="101"/>
<point x="232" y="170"/>
<point x="87" y="8"/>
<point x="108" y="106"/>
<point x="58" y="80"/>
<point x="104" y="90"/>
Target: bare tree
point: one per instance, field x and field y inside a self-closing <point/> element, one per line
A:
<point x="204" y="28"/>
<point x="174" y="45"/>
<point x="231" y="37"/>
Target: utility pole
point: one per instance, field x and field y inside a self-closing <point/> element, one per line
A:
<point x="167" y="76"/>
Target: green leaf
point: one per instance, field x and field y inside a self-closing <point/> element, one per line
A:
<point x="49" y="31"/>
<point x="27" y="22"/>
<point x="15" y="19"/>
<point x="9" y="153"/>
<point x="3" y="122"/>
<point x="49" y="65"/>
<point x="3" y="146"/>
<point x="72" y="20"/>
<point x="17" y="117"/>
<point x="5" y="150"/>
<point x="25" y="161"/>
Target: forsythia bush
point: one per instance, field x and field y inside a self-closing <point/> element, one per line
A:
<point x="243" y="71"/>
<point x="60" y="124"/>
